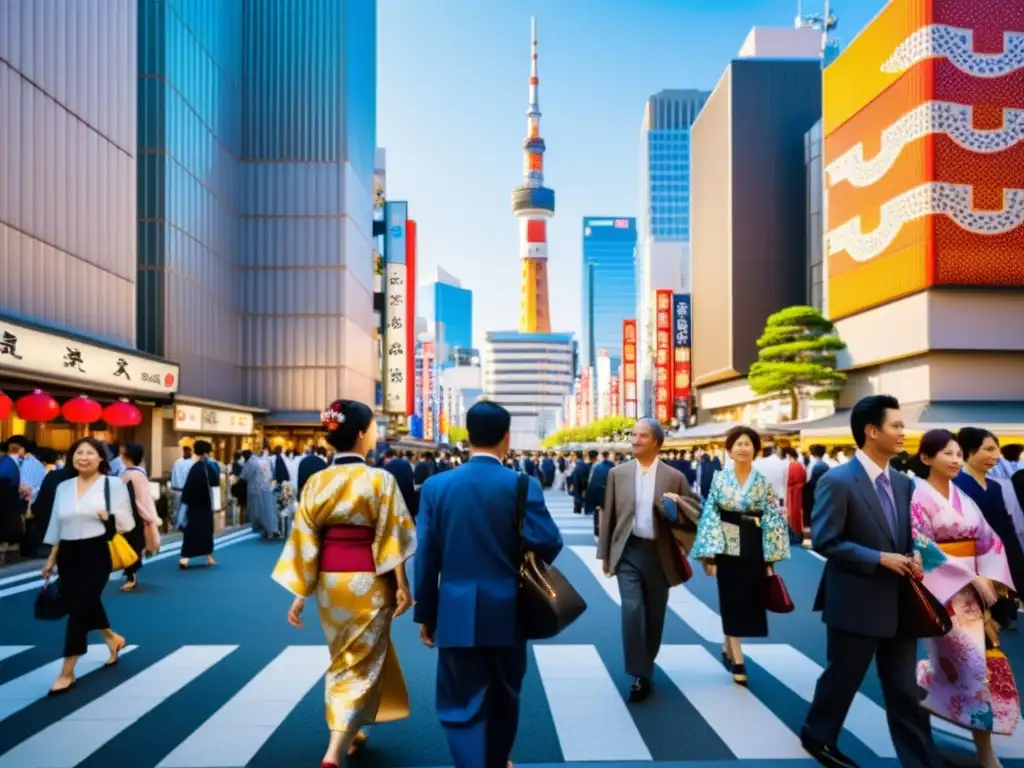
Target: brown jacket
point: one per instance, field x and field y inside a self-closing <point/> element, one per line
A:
<point x="673" y="540"/>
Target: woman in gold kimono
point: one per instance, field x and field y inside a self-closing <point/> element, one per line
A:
<point x="348" y="546"/>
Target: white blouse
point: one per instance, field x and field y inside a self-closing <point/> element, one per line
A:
<point x="74" y="519"/>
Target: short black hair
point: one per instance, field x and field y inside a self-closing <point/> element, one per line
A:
<point x="972" y="438"/>
<point x="870" y="412"/>
<point x="739" y="431"/>
<point x="96" y="445"/>
<point x="134" y="452"/>
<point x="1013" y="451"/>
<point x="356" y="419"/>
<point x="818" y="451"/>
<point x="487" y="424"/>
<point x="202" y="448"/>
<point x="592" y="455"/>
<point x="934" y="441"/>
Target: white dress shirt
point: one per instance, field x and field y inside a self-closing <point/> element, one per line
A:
<point x="643" y="489"/>
<point x="776" y="471"/>
<point x="179" y="472"/>
<point x="74" y="519"/>
<point x="870" y="467"/>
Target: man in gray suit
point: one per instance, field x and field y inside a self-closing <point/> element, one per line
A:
<point x="861" y="524"/>
<point x="642" y="549"/>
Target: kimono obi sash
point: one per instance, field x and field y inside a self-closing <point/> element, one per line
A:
<point x="961" y="548"/>
<point x="742" y="532"/>
<point x="347" y="549"/>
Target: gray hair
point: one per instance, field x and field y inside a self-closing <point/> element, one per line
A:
<point x="656" y="429"/>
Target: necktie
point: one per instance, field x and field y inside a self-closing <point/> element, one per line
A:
<point x="882" y="486"/>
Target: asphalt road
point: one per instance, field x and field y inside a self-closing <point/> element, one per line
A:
<point x="217" y="679"/>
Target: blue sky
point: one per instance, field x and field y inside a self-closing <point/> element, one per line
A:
<point x="452" y="96"/>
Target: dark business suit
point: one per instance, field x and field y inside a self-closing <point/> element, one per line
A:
<point x="467" y="588"/>
<point x="578" y="483"/>
<point x="860" y="602"/>
<point x="401" y="469"/>
<point x="309" y="466"/>
<point x="596" y="483"/>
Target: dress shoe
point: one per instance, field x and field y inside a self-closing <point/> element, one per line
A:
<point x="826" y="755"/>
<point x="640" y="690"/>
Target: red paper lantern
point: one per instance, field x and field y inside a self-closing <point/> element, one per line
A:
<point x="38" y="406"/>
<point x="82" y="410"/>
<point x="122" y="414"/>
<point x="6" y="404"/>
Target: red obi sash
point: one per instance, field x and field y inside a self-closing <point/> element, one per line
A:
<point x="347" y="549"/>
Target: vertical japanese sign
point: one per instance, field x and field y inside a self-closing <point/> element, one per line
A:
<point x="663" y="355"/>
<point x="427" y="392"/>
<point x="681" y="336"/>
<point x="410" y="311"/>
<point x="578" y="414"/>
<point x="629" y="397"/>
<point x="613" y="397"/>
<point x="588" y="378"/>
<point x="396" y="297"/>
<point x="416" y="422"/>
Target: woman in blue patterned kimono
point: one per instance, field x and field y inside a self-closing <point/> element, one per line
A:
<point x="741" y="533"/>
<point x="260" y="506"/>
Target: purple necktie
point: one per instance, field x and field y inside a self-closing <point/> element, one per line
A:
<point x="883" y="487"/>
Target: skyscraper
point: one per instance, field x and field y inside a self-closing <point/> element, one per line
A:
<point x="663" y="252"/>
<point x="448" y="310"/>
<point x="609" y="286"/>
<point x="257" y="123"/>
<point x="533" y="204"/>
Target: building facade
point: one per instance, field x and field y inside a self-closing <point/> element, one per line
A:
<point x="68" y="166"/>
<point x="663" y="229"/>
<point x="448" y="309"/>
<point x="609" y="285"/>
<point x="529" y="374"/>
<point x="257" y="196"/>
<point x="749" y="214"/>
<point x="815" y="218"/>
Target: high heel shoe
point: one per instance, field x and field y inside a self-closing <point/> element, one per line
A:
<point x="62" y="691"/>
<point x="726" y="661"/>
<point x="326" y="764"/>
<point x="739" y="674"/>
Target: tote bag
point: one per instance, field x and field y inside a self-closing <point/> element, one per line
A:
<point x="121" y="553"/>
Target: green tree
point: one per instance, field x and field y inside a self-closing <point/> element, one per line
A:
<point x="457" y="434"/>
<point x="797" y="356"/>
<point x="610" y="428"/>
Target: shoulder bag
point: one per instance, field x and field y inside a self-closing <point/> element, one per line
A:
<point x="121" y="553"/>
<point x="920" y="612"/>
<point x="548" y="603"/>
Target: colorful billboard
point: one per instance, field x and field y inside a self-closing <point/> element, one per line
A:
<point x="427" y="391"/>
<point x="410" y="311"/>
<point x="396" y="349"/>
<point x="416" y="423"/>
<point x="663" y="397"/>
<point x="924" y="153"/>
<point x="681" y="372"/>
<point x="629" y="363"/>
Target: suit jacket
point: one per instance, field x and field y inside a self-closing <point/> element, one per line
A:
<point x="468" y="553"/>
<point x="849" y="528"/>
<point x="597" y="483"/>
<point x="309" y="466"/>
<point x="401" y="469"/>
<point x="619" y="511"/>
<point x="578" y="479"/>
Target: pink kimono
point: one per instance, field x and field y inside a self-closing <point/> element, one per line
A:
<point x="965" y="685"/>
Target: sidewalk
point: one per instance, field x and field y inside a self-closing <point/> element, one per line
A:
<point x="166" y="539"/>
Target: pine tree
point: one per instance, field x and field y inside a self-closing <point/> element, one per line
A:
<point x="797" y="356"/>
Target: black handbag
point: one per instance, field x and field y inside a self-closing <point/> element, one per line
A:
<point x="920" y="612"/>
<point x="548" y="603"/>
<point x="50" y="604"/>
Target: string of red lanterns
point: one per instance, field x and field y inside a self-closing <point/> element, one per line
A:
<point x="41" y="407"/>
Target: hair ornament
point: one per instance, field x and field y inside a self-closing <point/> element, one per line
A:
<point x="332" y="418"/>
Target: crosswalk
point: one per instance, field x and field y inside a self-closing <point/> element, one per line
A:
<point x="590" y="718"/>
<point x="580" y="679"/>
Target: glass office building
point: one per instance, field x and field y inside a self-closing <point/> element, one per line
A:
<point x="257" y="132"/>
<point x="815" y="218"/>
<point x="453" y="317"/>
<point x="68" y="165"/>
<point x="609" y="286"/>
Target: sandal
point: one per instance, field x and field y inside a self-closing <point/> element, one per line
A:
<point x="739" y="674"/>
<point x="116" y="651"/>
<point x="60" y="691"/>
<point x="129" y="585"/>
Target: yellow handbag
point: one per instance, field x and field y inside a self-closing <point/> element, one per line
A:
<point x="122" y="554"/>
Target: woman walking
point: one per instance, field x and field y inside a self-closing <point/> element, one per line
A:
<point x="741" y="533"/>
<point x="967" y="678"/>
<point x="145" y="536"/>
<point x="80" y="551"/>
<point x="197" y="498"/>
<point x="351" y="539"/>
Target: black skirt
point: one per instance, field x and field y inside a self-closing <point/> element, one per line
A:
<point x="741" y="580"/>
<point x="198" y="538"/>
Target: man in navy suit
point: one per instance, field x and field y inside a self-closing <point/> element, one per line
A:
<point x="861" y="524"/>
<point x="467" y="587"/>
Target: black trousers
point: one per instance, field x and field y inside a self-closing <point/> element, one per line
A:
<point x="644" y="590"/>
<point x="849" y="657"/>
<point x="84" y="568"/>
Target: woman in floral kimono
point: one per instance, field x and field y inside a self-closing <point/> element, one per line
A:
<point x="351" y="538"/>
<point x="741" y="533"/>
<point x="968" y="680"/>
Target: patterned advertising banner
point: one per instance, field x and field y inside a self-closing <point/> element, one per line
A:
<point x="396" y="350"/>
<point x="629" y="362"/>
<point x="663" y="355"/>
<point x="410" y="309"/>
<point x="613" y="397"/>
<point x="427" y="391"/>
<point x="682" y="334"/>
<point x="588" y="377"/>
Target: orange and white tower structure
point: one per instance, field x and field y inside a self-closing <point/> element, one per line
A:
<point x="533" y="204"/>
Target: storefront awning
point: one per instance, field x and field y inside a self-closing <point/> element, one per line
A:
<point x="1004" y="418"/>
